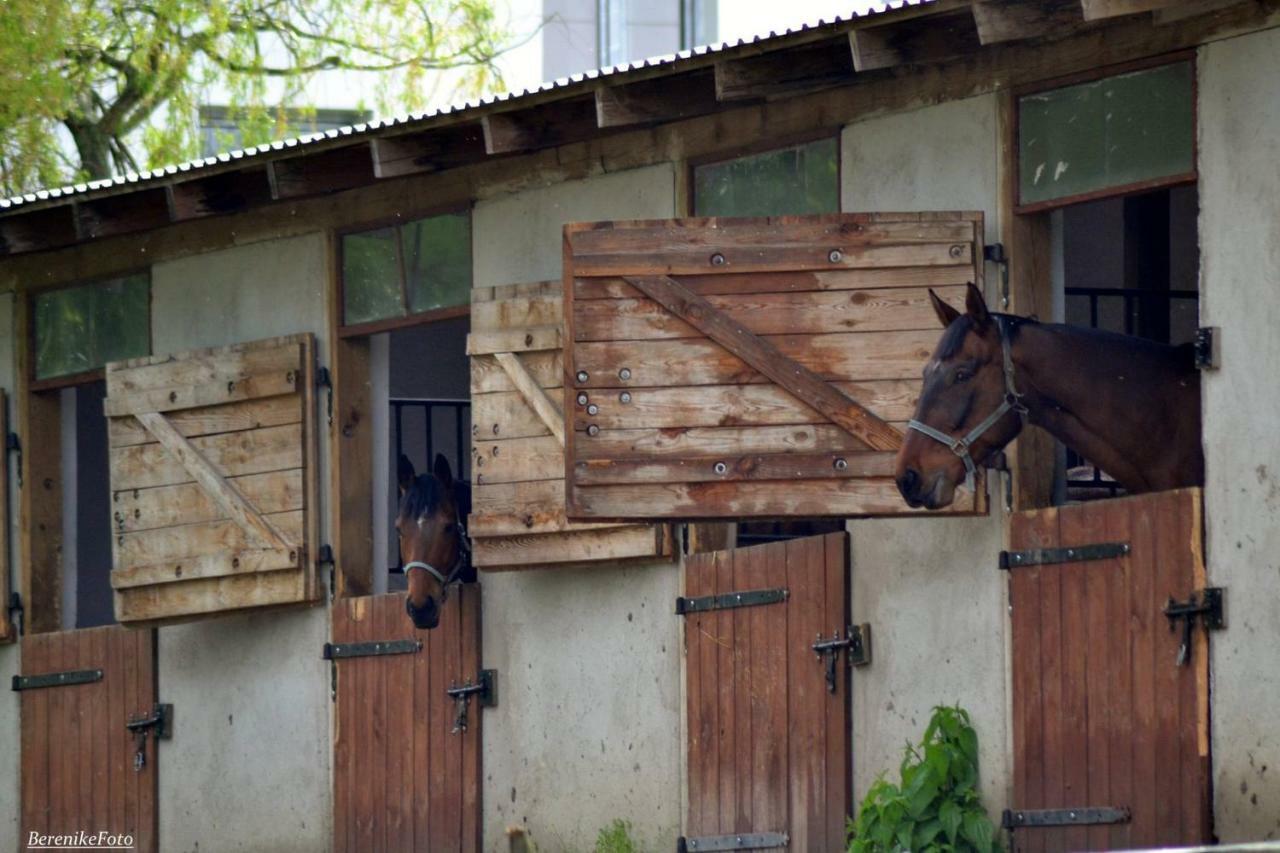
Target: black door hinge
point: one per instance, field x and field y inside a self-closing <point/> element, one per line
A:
<point x="1074" y="554"/>
<point x="324" y="557"/>
<point x="16" y="613"/>
<point x="325" y="381"/>
<point x="13" y="444"/>
<point x="994" y="253"/>
<point x="1208" y="347"/>
<point x="729" y="600"/>
<point x="1084" y="816"/>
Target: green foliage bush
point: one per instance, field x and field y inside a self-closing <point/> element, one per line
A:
<point x="936" y="807"/>
<point x="616" y="838"/>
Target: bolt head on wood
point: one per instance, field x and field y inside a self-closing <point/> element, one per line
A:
<point x="625" y="396"/>
<point x="583" y="376"/>
<point x="717" y="260"/>
<point x="624" y="374"/>
<point x="582" y="399"/>
<point x="593" y="430"/>
<point x="835" y="256"/>
<point x="720" y="467"/>
<point x="593" y="409"/>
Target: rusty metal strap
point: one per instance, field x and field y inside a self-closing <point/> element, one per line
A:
<point x="740" y="841"/>
<point x="1075" y="554"/>
<point x="56" y="679"/>
<point x="729" y="600"/>
<point x="1084" y="816"/>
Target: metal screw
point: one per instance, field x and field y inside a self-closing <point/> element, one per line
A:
<point x="835" y="256"/>
<point x="717" y="260"/>
<point x="583" y="376"/>
<point x="593" y="409"/>
<point x="720" y="467"/>
<point x="841" y="464"/>
<point x="624" y="374"/>
<point x="625" y="396"/>
<point x="593" y="430"/>
<point x="582" y="399"/>
<point x="495" y="450"/>
<point x="956" y="251"/>
<point x="495" y="429"/>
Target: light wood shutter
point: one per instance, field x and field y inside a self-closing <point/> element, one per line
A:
<point x="213" y="480"/>
<point x="753" y="368"/>
<point x="517" y="397"/>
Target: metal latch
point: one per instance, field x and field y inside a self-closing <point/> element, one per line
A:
<point x="857" y="640"/>
<point x="1208" y="605"/>
<point x="484" y="688"/>
<point x="1085" y="816"/>
<point x="160" y="721"/>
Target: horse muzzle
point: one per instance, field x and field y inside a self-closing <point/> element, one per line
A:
<point x="426" y="617"/>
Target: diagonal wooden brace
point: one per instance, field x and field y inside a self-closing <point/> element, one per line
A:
<point x="532" y="393"/>
<point x="258" y="529"/>
<point x="793" y="377"/>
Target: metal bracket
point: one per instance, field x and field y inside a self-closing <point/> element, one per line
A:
<point x="1088" y="816"/>
<point x="1049" y="556"/>
<point x="857" y="640"/>
<point x="336" y="651"/>
<point x="994" y="253"/>
<point x="13" y="444"/>
<point x="324" y="380"/>
<point x="1208" y="347"/>
<point x="324" y="557"/>
<point x="1208" y="604"/>
<point x="484" y="688"/>
<point x="16" y="613"/>
<point x="730" y="600"/>
<point x="741" y="841"/>
<point x="56" y="679"/>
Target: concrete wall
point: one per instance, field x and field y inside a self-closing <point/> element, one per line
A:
<point x="928" y="586"/>
<point x="10" y="732"/>
<point x="1239" y="127"/>
<point x="589" y="727"/>
<point x="249" y="764"/>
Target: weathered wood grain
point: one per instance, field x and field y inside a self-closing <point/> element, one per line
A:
<point x="505" y="415"/>
<point x="164" y="506"/>
<point x="231" y="454"/>
<point x="820" y="281"/>
<point x="208" y="420"/>
<point x="777" y="466"/>
<point x="487" y="376"/>
<point x="166" y="544"/>
<point x="536" y="399"/>
<point x="572" y="546"/>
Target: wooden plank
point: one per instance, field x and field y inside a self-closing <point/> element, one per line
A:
<point x="1000" y="21"/>
<point x="708" y="784"/>
<point x="188" y="503"/>
<point x="436" y="769"/>
<point x="736" y="405"/>
<point x="351" y="449"/>
<point x="808" y="67"/>
<point x="163" y="545"/>
<point x="768" y="360"/>
<point x="363" y="675"/>
<point x="1197" y="787"/>
<point x="807" y="698"/>
<point x="34" y="738"/>
<point x="233" y="504"/>
<point x="1027" y="705"/>
<point x="421" y="740"/>
<point x="208" y="394"/>
<point x="778" y="466"/>
<point x="209" y="595"/>
<point x="326" y="170"/>
<point x="550" y="520"/>
<point x="694" y="707"/>
<point x="540" y="126"/>
<point x="1043" y="533"/>
<point x="506" y="415"/>
<point x="488" y="376"/>
<point x="40" y="502"/>
<point x="517" y="313"/>
<point x="148" y="814"/>
<point x="119" y="755"/>
<point x="769" y="257"/>
<point x="1171" y="577"/>
<point x="824" y="281"/>
<point x="343" y="728"/>
<point x="102" y="732"/>
<point x="724" y="686"/>
<point x="472" y="763"/>
<point x="517" y="460"/>
<point x="899" y="309"/>
<point x="514" y="340"/>
<point x="537" y="506"/>
<point x="668" y="442"/>
<point x="208" y="420"/>
<point x="914" y="41"/>
<point x="839" y="783"/>
<point x="129" y="702"/>
<point x="1119" y="687"/>
<point x="769" y="671"/>
<point x="428" y="151"/>
<point x="610" y="544"/>
<point x="745" y="640"/>
<point x="657" y="100"/>
<point x="202" y="367"/>
<point x="1098" y="10"/>
<point x="866" y="355"/>
<point x="231" y="454"/>
<point x="215" y="565"/>
<point x="528" y="387"/>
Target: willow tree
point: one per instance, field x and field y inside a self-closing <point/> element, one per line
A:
<point x="91" y="88"/>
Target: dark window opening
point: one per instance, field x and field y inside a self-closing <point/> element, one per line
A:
<point x="86" y="508"/>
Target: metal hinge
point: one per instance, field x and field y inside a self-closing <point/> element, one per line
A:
<point x="729" y="600"/>
<point x="333" y="652"/>
<point x="740" y="841"/>
<point x="1208" y="347"/>
<point x="994" y="253"/>
<point x="13" y="444"/>
<point x="324" y="557"/>
<point x="324" y="380"/>
<point x="56" y="679"/>
<point x="16" y="613"/>
<point x="1208" y="605"/>
<point x="1086" y="816"/>
<point x="1074" y="554"/>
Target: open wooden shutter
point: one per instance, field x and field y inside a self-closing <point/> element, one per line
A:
<point x="213" y="480"/>
<point x="753" y="367"/>
<point x="517" y="403"/>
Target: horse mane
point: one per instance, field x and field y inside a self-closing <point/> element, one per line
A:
<point x="427" y="493"/>
<point x="953" y="337"/>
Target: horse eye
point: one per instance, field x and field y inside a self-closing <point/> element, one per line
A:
<point x="963" y="376"/>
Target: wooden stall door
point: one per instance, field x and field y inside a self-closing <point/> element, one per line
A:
<point x="78" y="758"/>
<point x="404" y="777"/>
<point x="769" y="748"/>
<point x="1104" y="714"/>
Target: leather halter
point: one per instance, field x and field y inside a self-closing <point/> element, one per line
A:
<point x="460" y="562"/>
<point x="960" y="445"/>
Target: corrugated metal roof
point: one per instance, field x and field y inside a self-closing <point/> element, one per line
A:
<point x="672" y="62"/>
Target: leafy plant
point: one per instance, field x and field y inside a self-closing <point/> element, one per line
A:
<point x="616" y="838"/>
<point x="936" y="807"/>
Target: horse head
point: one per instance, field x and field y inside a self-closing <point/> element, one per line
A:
<point x="433" y="545"/>
<point x="969" y="408"/>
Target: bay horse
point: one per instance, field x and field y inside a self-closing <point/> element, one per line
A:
<point x="434" y="549"/>
<point x="1128" y="405"/>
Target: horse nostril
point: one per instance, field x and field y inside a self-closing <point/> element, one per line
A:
<point x="907" y="482"/>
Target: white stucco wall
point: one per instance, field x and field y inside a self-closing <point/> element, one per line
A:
<point x="1239" y="149"/>
<point x="249" y="764"/>
<point x="589" y="726"/>
<point x="10" y="731"/>
<point x="928" y="586"/>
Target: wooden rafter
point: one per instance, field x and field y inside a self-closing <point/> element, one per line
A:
<point x="761" y="355"/>
<point x="122" y="214"/>
<point x="327" y="171"/>
<point x="1000" y="21"/>
<point x="428" y="151"/>
<point x="543" y="126"/>
<point x="225" y="192"/>
<point x="806" y="68"/>
<point x="914" y="41"/>
<point x="658" y="100"/>
<point x="1097" y="10"/>
<point x="32" y="231"/>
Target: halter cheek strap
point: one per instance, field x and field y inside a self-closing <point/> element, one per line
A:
<point x="464" y="553"/>
<point x="1012" y="402"/>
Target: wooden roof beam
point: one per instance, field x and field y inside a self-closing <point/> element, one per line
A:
<point x="1000" y="21"/>
<point x="1097" y="10"/>
<point x="49" y="228"/>
<point x="658" y="100"/>
<point x="818" y="65"/>
<point x="225" y="192"/>
<point x="541" y="126"/>
<point x="915" y="41"/>
<point x="142" y="210"/>
<point x="428" y="151"/>
<point x="328" y="171"/>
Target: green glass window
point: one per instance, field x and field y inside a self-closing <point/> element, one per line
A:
<point x="82" y="328"/>
<point x="1112" y="133"/>
<point x="797" y="180"/>
<point x="406" y="269"/>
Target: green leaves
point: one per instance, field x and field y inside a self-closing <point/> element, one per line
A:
<point x="936" y="807"/>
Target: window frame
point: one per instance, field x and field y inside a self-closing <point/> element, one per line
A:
<point x="408" y="319"/>
<point x="764" y="146"/>
<point x="31" y="344"/>
<point x="1094" y="74"/>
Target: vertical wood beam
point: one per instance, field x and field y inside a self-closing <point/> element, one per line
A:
<point x="1026" y="240"/>
<point x="7" y="632"/>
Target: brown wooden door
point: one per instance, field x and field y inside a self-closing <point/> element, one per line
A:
<point x="78" y="758"/>
<point x="1103" y="714"/>
<point x="404" y="779"/>
<point x="768" y="743"/>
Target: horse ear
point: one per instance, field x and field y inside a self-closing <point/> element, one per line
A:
<point x="976" y="306"/>
<point x="405" y="473"/>
<point x="441" y="469"/>
<point x="946" y="314"/>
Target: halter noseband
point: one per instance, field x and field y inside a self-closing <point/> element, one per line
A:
<point x="459" y="563"/>
<point x="1012" y="402"/>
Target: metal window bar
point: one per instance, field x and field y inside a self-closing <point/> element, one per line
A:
<point x="1136" y="304"/>
<point x="432" y="434"/>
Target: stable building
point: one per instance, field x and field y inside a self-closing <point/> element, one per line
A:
<point x="702" y="606"/>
